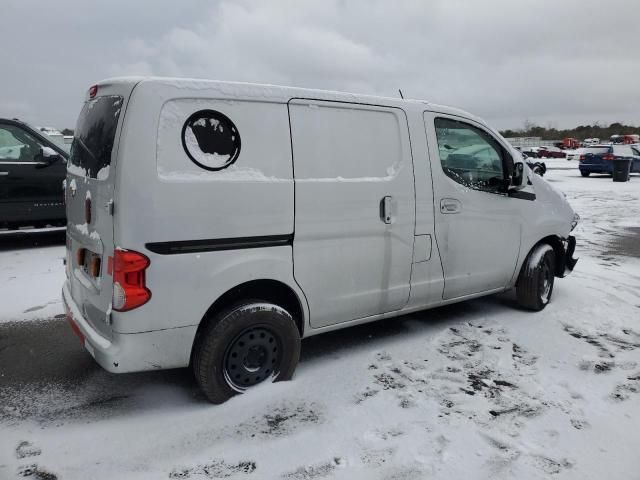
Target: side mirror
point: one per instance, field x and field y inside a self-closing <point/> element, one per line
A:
<point x="47" y="156"/>
<point x="500" y="184"/>
<point x="517" y="179"/>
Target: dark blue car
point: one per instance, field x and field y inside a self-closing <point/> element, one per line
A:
<point x="599" y="158"/>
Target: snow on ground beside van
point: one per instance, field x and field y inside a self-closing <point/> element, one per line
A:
<point x="558" y="163"/>
<point x="30" y="282"/>
<point x="475" y="390"/>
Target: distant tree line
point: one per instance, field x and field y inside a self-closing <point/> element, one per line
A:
<point x="597" y="130"/>
<point x="67" y="131"/>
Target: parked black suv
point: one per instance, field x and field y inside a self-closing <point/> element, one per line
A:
<point x="32" y="171"/>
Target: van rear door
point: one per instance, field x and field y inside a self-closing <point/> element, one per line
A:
<point x="89" y="200"/>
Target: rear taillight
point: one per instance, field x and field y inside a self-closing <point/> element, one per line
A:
<point x="129" y="289"/>
<point x="608" y="156"/>
<point x="93" y="91"/>
<point x="582" y="157"/>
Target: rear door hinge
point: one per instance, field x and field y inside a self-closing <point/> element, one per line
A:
<point x="109" y="207"/>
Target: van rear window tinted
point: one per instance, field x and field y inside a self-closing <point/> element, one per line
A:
<point x="95" y="135"/>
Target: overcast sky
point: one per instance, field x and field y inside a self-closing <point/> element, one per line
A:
<point x="562" y="63"/>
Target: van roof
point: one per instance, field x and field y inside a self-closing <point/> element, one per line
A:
<point x="278" y="93"/>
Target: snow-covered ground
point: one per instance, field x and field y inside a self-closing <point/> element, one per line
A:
<point x="475" y="390"/>
<point x="30" y="282"/>
<point x="559" y="163"/>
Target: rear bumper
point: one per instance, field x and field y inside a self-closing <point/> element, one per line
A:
<point x="568" y="261"/>
<point x="596" y="167"/>
<point x="131" y="352"/>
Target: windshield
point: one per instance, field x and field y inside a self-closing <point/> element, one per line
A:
<point x="95" y="135"/>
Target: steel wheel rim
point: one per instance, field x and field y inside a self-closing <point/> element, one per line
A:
<point x="252" y="357"/>
<point x="546" y="283"/>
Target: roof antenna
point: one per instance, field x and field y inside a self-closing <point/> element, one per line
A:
<point x="401" y="96"/>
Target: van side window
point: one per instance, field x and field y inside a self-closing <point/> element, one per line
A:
<point x="469" y="155"/>
<point x="211" y="140"/>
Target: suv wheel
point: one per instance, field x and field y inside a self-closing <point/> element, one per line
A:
<point x="251" y="342"/>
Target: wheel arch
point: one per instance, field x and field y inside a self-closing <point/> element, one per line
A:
<point x="269" y="290"/>
<point x="558" y="248"/>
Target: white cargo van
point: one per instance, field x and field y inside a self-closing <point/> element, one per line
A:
<point x="216" y="224"/>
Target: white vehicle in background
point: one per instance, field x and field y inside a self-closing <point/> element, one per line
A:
<point x="591" y="141"/>
<point x="56" y="136"/>
<point x="574" y="154"/>
<point x="215" y="224"/>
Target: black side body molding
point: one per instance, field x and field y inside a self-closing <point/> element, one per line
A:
<point x="218" y="244"/>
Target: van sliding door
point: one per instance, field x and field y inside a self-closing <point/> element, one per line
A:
<point x="354" y="209"/>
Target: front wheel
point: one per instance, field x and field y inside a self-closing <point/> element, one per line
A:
<point x="251" y="342"/>
<point x="538" y="169"/>
<point x="535" y="283"/>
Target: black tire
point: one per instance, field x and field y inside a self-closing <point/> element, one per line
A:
<point x="584" y="174"/>
<point x="538" y="169"/>
<point x="264" y="334"/>
<point x="535" y="283"/>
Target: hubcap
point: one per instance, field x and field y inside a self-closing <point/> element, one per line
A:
<point x="255" y="358"/>
<point x="251" y="358"/>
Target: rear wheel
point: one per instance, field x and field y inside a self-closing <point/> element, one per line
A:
<point x="535" y="283"/>
<point x="584" y="174"/>
<point x="251" y="342"/>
